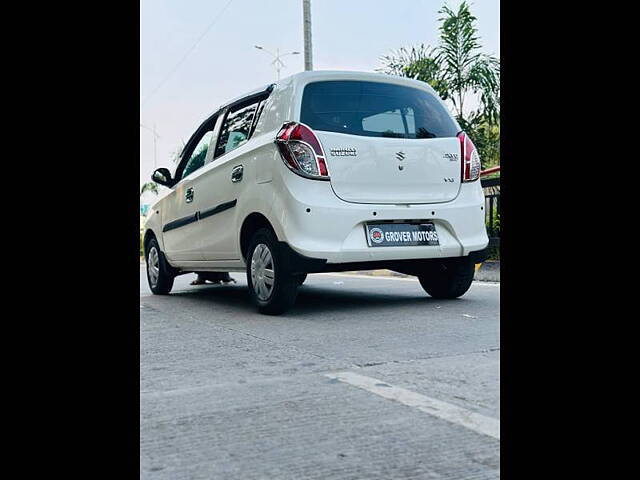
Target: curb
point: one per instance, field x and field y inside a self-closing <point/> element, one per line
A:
<point x="488" y="271"/>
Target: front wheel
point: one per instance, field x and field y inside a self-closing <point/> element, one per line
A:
<point x="273" y="289"/>
<point x="450" y="278"/>
<point x="158" y="275"/>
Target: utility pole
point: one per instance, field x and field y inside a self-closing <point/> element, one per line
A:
<point x="306" y="21"/>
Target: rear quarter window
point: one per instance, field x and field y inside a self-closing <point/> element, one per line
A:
<point x="375" y="109"/>
<point x="236" y="129"/>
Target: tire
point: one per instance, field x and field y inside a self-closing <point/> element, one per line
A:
<point x="267" y="263"/>
<point x="449" y="278"/>
<point x="159" y="274"/>
<point x="302" y="278"/>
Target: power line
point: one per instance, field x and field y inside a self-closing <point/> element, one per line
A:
<point x="184" y="57"/>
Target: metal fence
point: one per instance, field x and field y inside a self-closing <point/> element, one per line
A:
<point x="491" y="188"/>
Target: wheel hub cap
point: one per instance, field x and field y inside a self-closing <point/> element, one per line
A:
<point x="262" y="276"/>
<point x="153" y="266"/>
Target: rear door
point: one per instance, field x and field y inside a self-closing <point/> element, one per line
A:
<point x="385" y="143"/>
<point x="226" y="177"/>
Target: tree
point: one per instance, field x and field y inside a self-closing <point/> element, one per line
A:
<point x="419" y="63"/>
<point x="149" y="187"/>
<point x="464" y="69"/>
<point x="486" y="138"/>
<point x="456" y="69"/>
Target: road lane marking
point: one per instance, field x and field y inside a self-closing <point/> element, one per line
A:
<point x="446" y="411"/>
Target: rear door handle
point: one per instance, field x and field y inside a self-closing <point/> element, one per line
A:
<point x="236" y="173"/>
<point x="188" y="195"/>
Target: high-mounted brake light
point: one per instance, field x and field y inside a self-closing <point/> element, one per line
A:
<point x="470" y="159"/>
<point x="301" y="151"/>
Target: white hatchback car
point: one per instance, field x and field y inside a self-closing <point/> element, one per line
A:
<point x="322" y="172"/>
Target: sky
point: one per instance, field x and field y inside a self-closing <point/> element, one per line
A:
<point x="223" y="64"/>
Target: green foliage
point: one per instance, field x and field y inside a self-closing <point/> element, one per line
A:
<point x="486" y="138"/>
<point x="463" y="68"/>
<point x="456" y="68"/>
<point x="419" y="63"/>
<point x="494" y="226"/>
<point x="493" y="253"/>
<point x="149" y="187"/>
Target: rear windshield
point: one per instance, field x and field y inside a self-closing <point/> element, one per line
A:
<point x="374" y="109"/>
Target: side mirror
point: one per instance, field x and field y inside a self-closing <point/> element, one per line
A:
<point x="162" y="176"/>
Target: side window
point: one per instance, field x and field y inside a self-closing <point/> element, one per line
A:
<point x="257" y="116"/>
<point x="196" y="160"/>
<point x="236" y="129"/>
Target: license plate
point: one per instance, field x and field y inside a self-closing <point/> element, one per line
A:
<point x="401" y="234"/>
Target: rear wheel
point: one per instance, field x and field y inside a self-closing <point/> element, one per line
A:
<point x="158" y="275"/>
<point x="273" y="289"/>
<point x="450" y="278"/>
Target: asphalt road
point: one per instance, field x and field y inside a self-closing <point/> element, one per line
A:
<point x="365" y="378"/>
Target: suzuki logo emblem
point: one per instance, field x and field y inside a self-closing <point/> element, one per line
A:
<point x="400" y="156"/>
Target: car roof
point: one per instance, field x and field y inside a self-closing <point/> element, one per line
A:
<point x="314" y="75"/>
<point x="262" y="89"/>
<point x="317" y="75"/>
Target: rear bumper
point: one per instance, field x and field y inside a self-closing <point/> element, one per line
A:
<point x="315" y="223"/>
<point x="479" y="256"/>
<point x="301" y="264"/>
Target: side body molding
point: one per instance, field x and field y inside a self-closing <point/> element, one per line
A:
<point x="217" y="209"/>
<point x="181" y="222"/>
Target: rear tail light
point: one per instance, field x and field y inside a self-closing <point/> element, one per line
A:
<point x="470" y="159"/>
<point x="301" y="151"/>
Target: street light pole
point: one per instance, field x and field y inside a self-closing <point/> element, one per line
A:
<point x="277" y="62"/>
<point x="306" y="23"/>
